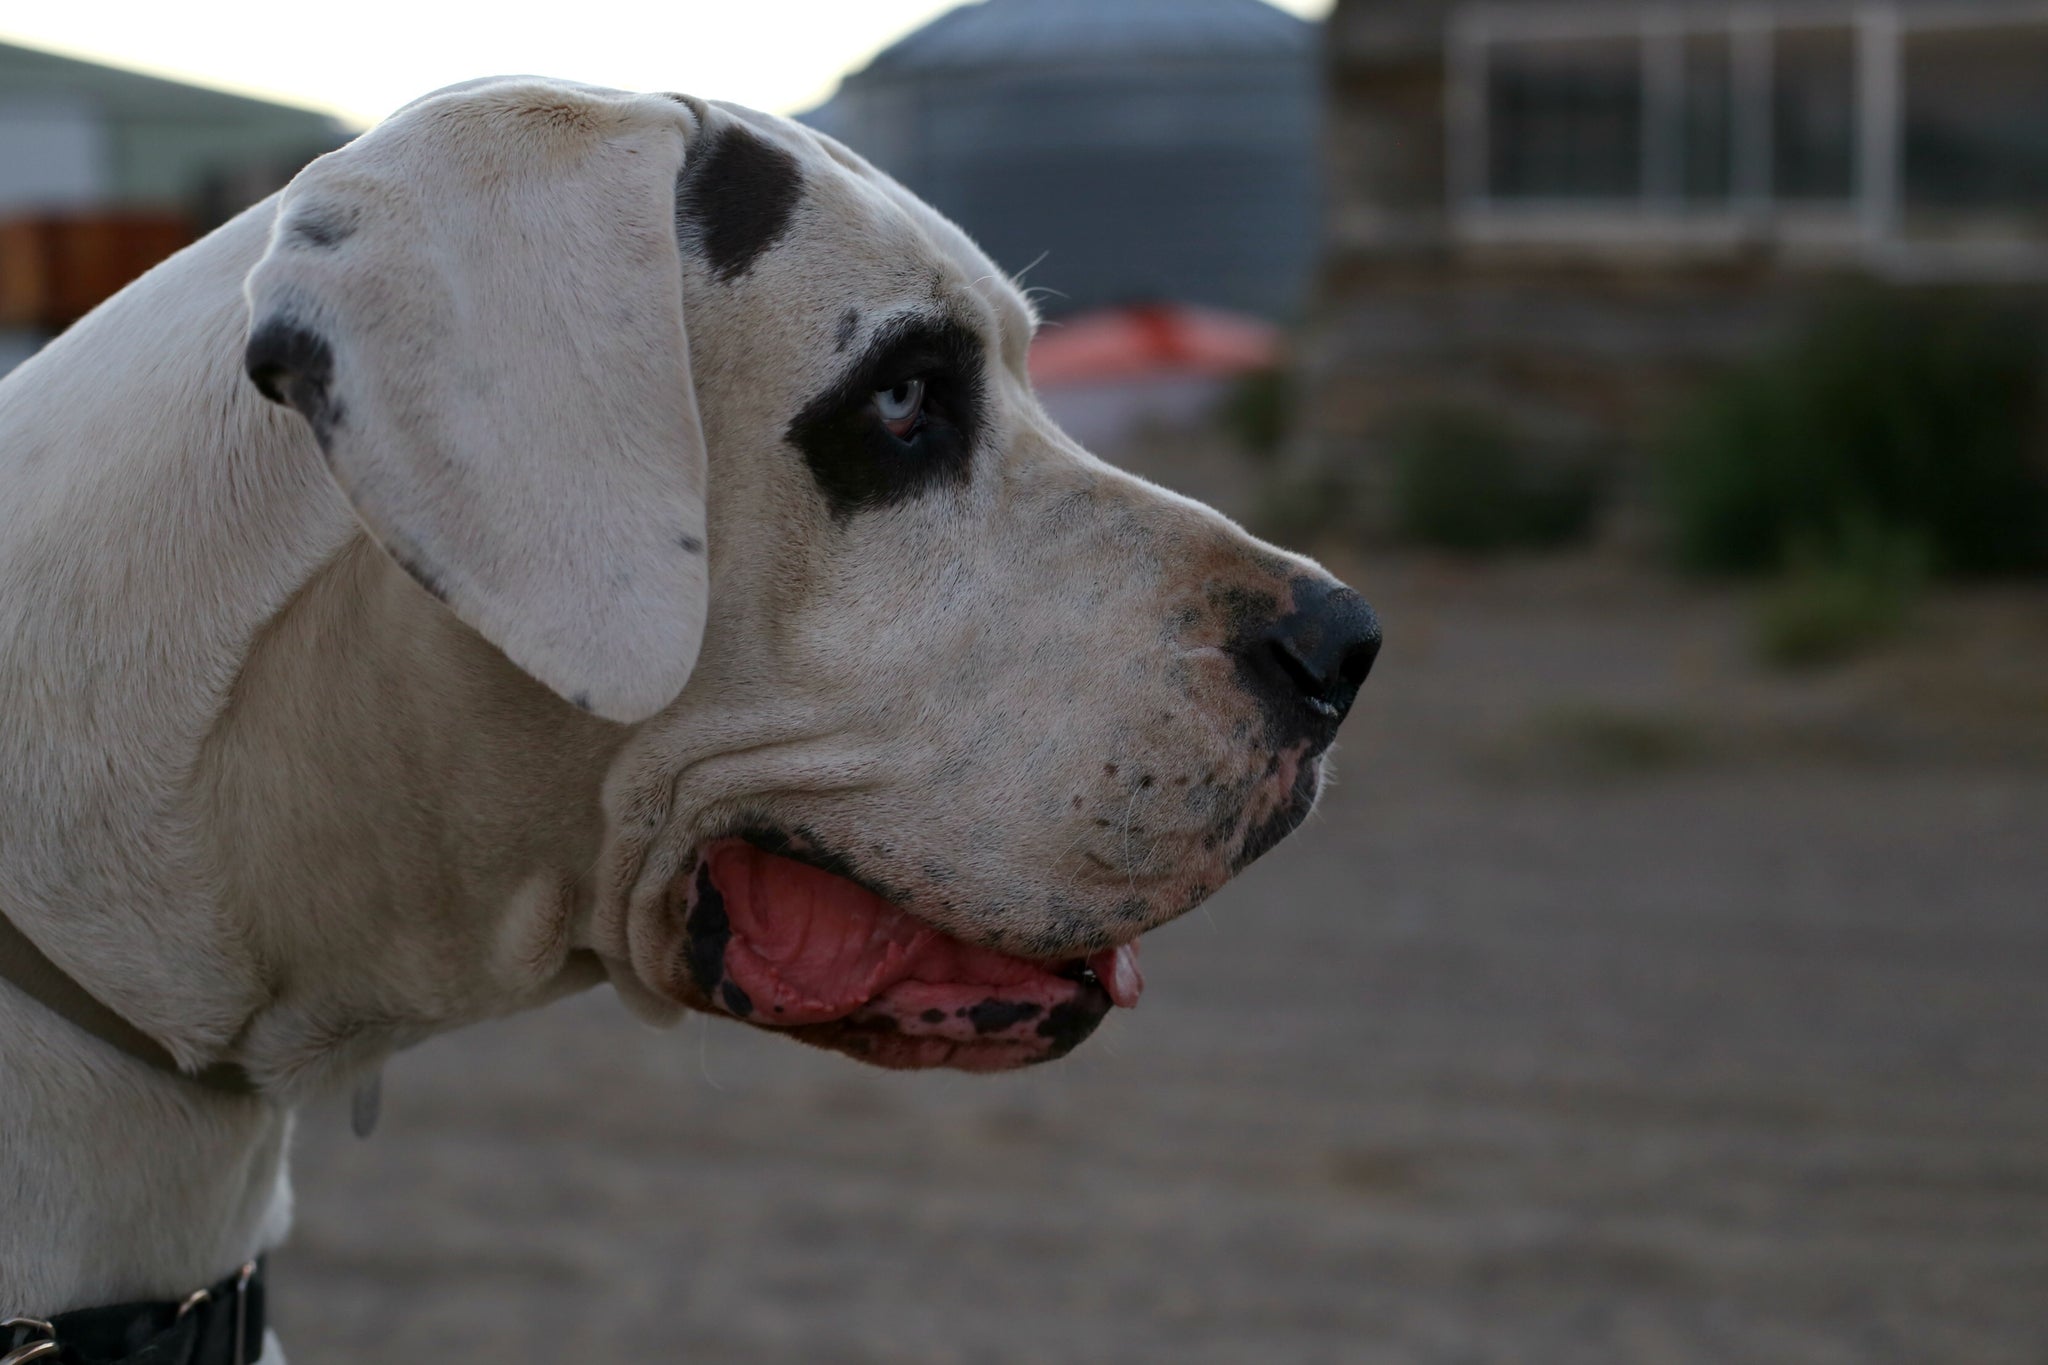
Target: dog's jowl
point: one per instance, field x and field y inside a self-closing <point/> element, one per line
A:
<point x="570" y="536"/>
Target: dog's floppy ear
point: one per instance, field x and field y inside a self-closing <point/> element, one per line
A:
<point x="478" y="307"/>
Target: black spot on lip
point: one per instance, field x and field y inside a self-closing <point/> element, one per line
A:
<point x="293" y="365"/>
<point x="933" y="1016"/>
<point x="857" y="462"/>
<point x="735" y="1000"/>
<point x="1069" y="1023"/>
<point x="993" y="1016"/>
<point x="708" y="931"/>
<point x="735" y="199"/>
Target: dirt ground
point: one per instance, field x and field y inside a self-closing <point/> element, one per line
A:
<point x="1623" y="1004"/>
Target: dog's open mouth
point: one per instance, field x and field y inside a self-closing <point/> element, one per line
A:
<point x="780" y="943"/>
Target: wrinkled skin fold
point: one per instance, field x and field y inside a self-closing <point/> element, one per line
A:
<point x="573" y="536"/>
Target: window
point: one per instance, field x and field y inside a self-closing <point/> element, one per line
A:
<point x="1975" y="129"/>
<point x="1706" y="137"/>
<point x="1896" y="129"/>
<point x="1813" y="114"/>
<point x="1567" y="121"/>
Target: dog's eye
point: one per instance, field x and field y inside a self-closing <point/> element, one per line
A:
<point x="901" y="408"/>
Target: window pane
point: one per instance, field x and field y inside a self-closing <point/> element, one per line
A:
<point x="1813" y="105"/>
<point x="1708" y="132"/>
<point x="1976" y="124"/>
<point x="1564" y="119"/>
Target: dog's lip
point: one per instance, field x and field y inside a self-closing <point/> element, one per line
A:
<point x="787" y="944"/>
<point x="1114" y="968"/>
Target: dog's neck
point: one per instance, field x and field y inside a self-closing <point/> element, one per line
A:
<point x="241" y="783"/>
<point x="412" y="820"/>
<point x="112" y="675"/>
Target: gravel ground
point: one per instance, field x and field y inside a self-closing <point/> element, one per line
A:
<point x="1622" y="1004"/>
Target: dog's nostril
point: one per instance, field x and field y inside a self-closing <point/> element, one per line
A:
<point x="1326" y="646"/>
<point x="1298" y="669"/>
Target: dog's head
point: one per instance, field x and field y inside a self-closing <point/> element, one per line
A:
<point x="720" y="433"/>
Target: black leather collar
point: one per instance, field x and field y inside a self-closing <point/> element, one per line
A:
<point x="222" y="1325"/>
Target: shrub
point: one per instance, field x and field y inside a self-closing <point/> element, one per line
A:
<point x="1463" y="482"/>
<point x="1257" y="412"/>
<point x="1830" y="605"/>
<point x="1911" y="415"/>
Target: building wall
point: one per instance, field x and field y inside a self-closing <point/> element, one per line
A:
<point x="76" y="134"/>
<point x="54" y="153"/>
<point x="104" y="171"/>
<point x="1578" y="323"/>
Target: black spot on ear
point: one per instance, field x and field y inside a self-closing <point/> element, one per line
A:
<point x="581" y="701"/>
<point x="735" y="199"/>
<point x="293" y="365"/>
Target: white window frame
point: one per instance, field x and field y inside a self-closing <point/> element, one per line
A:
<point x="1866" y="226"/>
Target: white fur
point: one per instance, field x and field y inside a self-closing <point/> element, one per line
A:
<point x="278" y="805"/>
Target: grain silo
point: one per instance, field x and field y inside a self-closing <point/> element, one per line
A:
<point x="1144" y="149"/>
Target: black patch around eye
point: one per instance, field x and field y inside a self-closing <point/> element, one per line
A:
<point x="735" y="199"/>
<point x="857" y="462"/>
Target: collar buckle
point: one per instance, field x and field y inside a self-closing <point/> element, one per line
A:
<point x="42" y="1344"/>
<point x="199" y="1296"/>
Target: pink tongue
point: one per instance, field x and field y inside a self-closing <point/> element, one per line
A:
<point x="1117" y="968"/>
<point x="808" y="947"/>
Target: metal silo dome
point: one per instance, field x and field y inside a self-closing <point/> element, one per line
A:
<point x="1039" y="32"/>
<point x="1133" y="149"/>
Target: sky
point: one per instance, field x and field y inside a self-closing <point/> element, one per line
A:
<point x="364" y="58"/>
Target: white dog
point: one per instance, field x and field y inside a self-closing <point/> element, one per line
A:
<point x="638" y="558"/>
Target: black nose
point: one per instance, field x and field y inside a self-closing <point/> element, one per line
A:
<point x="1307" y="666"/>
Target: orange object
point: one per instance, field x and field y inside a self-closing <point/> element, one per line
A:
<point x="1152" y="339"/>
<point x="57" y="267"/>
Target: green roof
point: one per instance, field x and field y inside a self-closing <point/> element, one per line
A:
<point x="164" y="137"/>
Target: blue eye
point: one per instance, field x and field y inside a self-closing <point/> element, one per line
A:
<point x="901" y="408"/>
